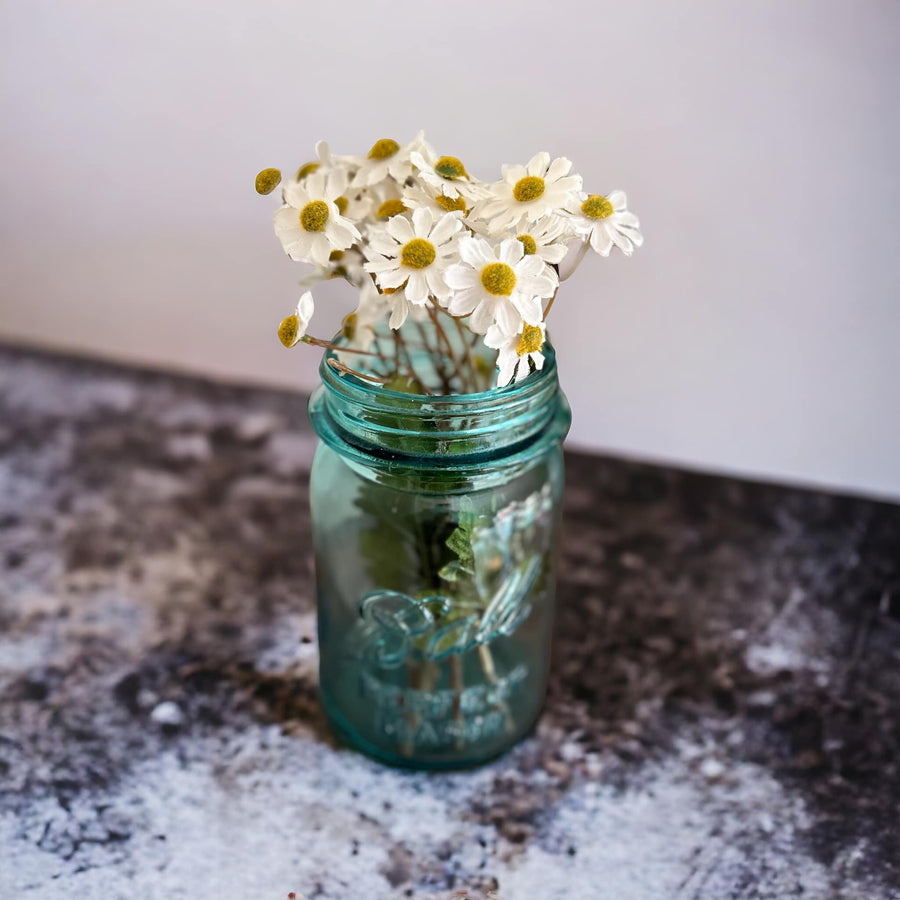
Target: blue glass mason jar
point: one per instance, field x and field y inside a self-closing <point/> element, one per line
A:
<point x="436" y="525"/>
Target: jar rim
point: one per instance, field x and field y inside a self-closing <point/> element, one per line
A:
<point x="489" y="430"/>
<point x="478" y="400"/>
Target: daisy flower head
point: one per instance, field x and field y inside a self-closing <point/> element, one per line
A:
<point x="387" y="158"/>
<point x="413" y="255"/>
<point x="293" y="328"/>
<point x="517" y="351"/>
<point x="545" y="238"/>
<point x="498" y="285"/>
<point x="444" y="175"/>
<point x="310" y="224"/>
<point x="605" y="222"/>
<point x="529" y="192"/>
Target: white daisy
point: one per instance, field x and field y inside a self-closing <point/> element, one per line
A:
<point x="445" y="174"/>
<point x="498" y="284"/>
<point x="413" y="254"/>
<point x="606" y="221"/>
<point x="310" y="224"/>
<point x="293" y="328"/>
<point x="528" y="192"/>
<point x="545" y="238"/>
<point x="516" y="351"/>
<point x="387" y="157"/>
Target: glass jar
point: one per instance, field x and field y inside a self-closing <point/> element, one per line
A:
<point x="436" y="529"/>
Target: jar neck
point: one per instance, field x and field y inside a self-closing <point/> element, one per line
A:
<point x="362" y="419"/>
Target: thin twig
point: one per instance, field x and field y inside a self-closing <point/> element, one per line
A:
<point x="443" y="336"/>
<point x="342" y="369"/>
<point x="402" y="350"/>
<point x="328" y="345"/>
<point x="470" y="359"/>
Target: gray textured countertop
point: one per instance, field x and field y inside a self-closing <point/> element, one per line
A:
<point x="722" y="720"/>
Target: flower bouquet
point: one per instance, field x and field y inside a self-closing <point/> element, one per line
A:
<point x="437" y="485"/>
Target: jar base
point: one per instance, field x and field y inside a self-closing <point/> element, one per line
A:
<point x="349" y="736"/>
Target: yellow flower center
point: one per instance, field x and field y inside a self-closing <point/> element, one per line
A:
<point x="335" y="255"/>
<point x="348" y="326"/>
<point x="306" y="169"/>
<point x="267" y="181"/>
<point x="531" y="341"/>
<point x="597" y="207"/>
<point x="528" y="188"/>
<point x="383" y="149"/>
<point x="288" y="330"/>
<point x="390" y="208"/>
<point x="450" y="204"/>
<point x="417" y="254"/>
<point x="450" y="167"/>
<point x="498" y="279"/>
<point x="314" y="215"/>
<point x="528" y="243"/>
<point x="341" y="204"/>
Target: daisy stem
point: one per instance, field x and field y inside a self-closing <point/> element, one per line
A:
<point x="547" y="310"/>
<point x="457" y="368"/>
<point x="437" y="359"/>
<point x="472" y="374"/>
<point x="403" y="351"/>
<point x="579" y="256"/>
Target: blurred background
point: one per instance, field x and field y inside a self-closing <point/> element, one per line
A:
<point x="757" y="331"/>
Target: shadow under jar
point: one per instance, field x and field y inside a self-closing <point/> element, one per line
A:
<point x="436" y="528"/>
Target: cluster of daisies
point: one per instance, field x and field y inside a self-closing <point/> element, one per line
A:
<point x="424" y="241"/>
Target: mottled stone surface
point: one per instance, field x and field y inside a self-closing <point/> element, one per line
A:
<point x="722" y="721"/>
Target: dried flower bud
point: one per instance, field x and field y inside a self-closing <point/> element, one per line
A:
<point x="267" y="181"/>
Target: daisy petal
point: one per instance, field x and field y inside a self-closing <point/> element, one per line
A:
<point x="400" y="229"/>
<point x="482" y="317"/>
<point x="601" y="241"/>
<point x="511" y="251"/>
<point x="417" y="288"/>
<point x="422" y="222"/>
<point x="459" y="277"/>
<point x="463" y="302"/>
<point x="446" y="227"/>
<point x="529" y="309"/>
<point x="558" y="168"/>
<point x="538" y="163"/>
<point x="507" y="316"/>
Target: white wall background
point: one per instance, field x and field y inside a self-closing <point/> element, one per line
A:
<point x="758" y="330"/>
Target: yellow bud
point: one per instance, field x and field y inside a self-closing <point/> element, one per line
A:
<point x="267" y="181"/>
<point x="390" y="208"/>
<point x="288" y="330"/>
<point x="306" y="169"/>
